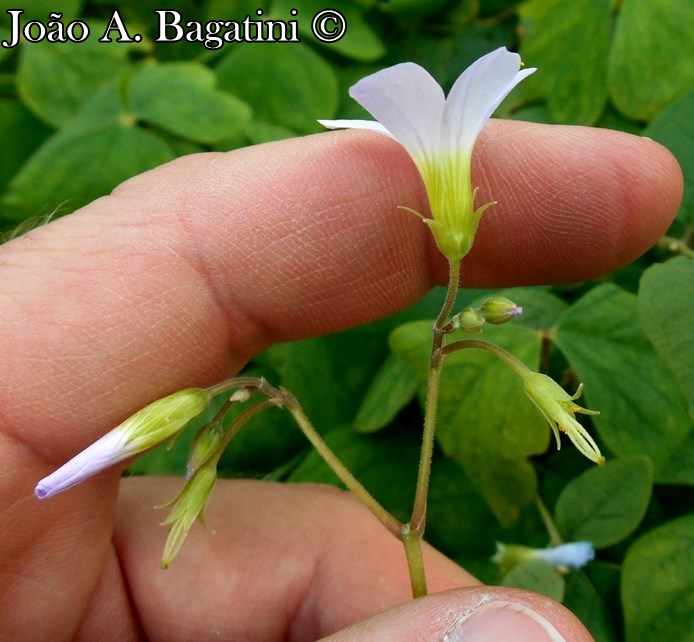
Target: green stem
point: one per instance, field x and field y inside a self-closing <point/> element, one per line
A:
<point x="250" y="383"/>
<point x="678" y="246"/>
<point x="418" y="519"/>
<point x="412" y="541"/>
<point x="411" y="535"/>
<point x="240" y="421"/>
<point x="507" y="357"/>
<point x="346" y="477"/>
<point x="281" y="397"/>
<point x="555" y="537"/>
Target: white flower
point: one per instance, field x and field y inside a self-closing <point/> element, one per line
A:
<point x="439" y="133"/>
<point x="148" y="427"/>
<point x="573" y="554"/>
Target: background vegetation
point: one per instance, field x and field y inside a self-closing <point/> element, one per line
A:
<point x="77" y="119"/>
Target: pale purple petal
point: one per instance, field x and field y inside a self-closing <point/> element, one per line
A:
<point x="408" y="102"/>
<point x="371" y="125"/>
<point x="476" y="94"/>
<point x="573" y="555"/>
<point x="106" y="451"/>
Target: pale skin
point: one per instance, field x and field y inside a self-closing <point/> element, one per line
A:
<point x="184" y="273"/>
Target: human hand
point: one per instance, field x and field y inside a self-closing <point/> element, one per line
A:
<point x="182" y="275"/>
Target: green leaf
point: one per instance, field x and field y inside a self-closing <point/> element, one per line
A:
<point x="181" y="97"/>
<point x="666" y="308"/>
<point x="267" y="442"/>
<point x="40" y="10"/>
<point x="641" y="408"/>
<point x="55" y="80"/>
<point x="658" y="584"/>
<point x="585" y="602"/>
<point x="568" y="41"/>
<point x="21" y="134"/>
<point x="537" y="576"/>
<point x="329" y="375"/>
<point x="85" y="160"/>
<point x="460" y="523"/>
<point x="485" y="422"/>
<point x="359" y="42"/>
<point x="416" y="10"/>
<point x="286" y="84"/>
<point x="392" y="388"/>
<point x="259" y="131"/>
<point x="605" y="505"/>
<point x="5" y="34"/>
<point x="651" y="58"/>
<point x="674" y="128"/>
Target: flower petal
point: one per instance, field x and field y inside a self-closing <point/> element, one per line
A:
<point x="573" y="554"/>
<point x="104" y="452"/>
<point x="371" y="125"/>
<point x="476" y="94"/>
<point x="408" y="102"/>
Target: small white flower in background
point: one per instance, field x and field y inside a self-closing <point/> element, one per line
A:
<point x="439" y="133"/>
<point x="148" y="427"/>
<point x="571" y="555"/>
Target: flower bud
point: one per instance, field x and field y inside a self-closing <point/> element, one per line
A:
<point x="469" y="320"/>
<point x="558" y="408"/>
<point x="187" y="507"/>
<point x="499" y="309"/>
<point x="148" y="427"/>
<point x="204" y="445"/>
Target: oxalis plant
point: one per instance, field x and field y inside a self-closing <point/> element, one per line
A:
<point x="439" y="134"/>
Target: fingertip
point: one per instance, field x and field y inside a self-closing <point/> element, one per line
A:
<point x="661" y="187"/>
<point x="477" y="614"/>
<point x="574" y="202"/>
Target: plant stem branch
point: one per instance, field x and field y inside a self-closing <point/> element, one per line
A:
<point x="418" y="519"/>
<point x="412" y="541"/>
<point x="555" y="538"/>
<point x="345" y="476"/>
<point x="411" y="533"/>
<point x="497" y="351"/>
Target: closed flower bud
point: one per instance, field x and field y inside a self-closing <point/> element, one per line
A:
<point x="499" y="309"/>
<point x="558" y="408"/>
<point x="148" y="427"/>
<point x="469" y="320"/>
<point x="204" y="445"/>
<point x="187" y="507"/>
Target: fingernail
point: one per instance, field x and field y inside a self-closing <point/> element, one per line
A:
<point x="502" y="620"/>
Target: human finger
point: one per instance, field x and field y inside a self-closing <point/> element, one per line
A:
<point x="285" y="561"/>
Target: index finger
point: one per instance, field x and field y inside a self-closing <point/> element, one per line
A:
<point x="183" y="273"/>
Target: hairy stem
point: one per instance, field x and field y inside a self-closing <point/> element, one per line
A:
<point x="412" y="541"/>
<point x="345" y="476"/>
<point x="413" y="532"/>
<point x="502" y="354"/>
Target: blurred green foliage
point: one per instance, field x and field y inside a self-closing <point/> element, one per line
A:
<point x="76" y="119"/>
